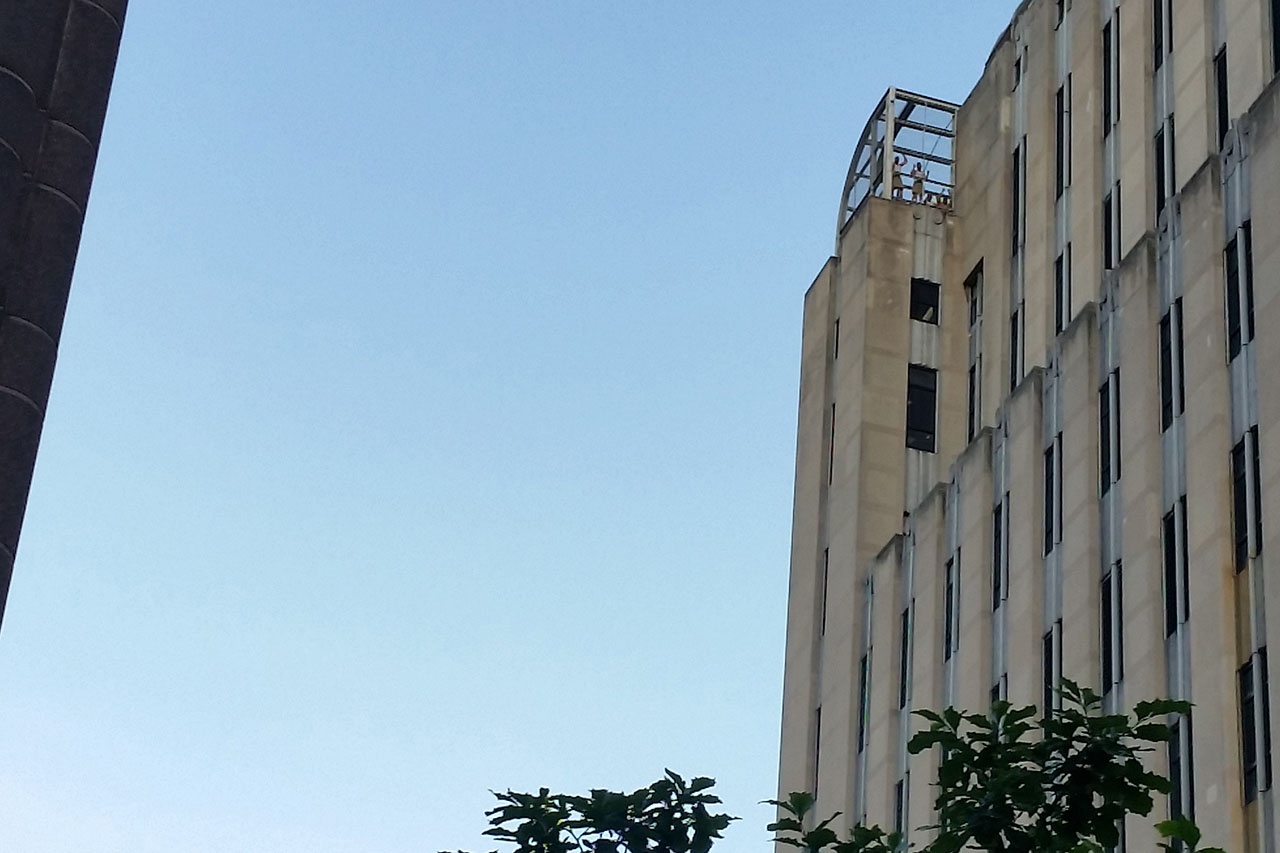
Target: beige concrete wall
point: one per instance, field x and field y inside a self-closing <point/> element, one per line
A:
<point x="1211" y="592"/>
<point x="858" y="519"/>
<point x="1086" y="155"/>
<point x="972" y="473"/>
<point x="1080" y="551"/>
<point x="799" y="690"/>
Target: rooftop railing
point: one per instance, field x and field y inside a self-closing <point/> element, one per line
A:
<point x="906" y="152"/>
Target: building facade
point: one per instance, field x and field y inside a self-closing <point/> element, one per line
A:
<point x="57" y="58"/>
<point x="1039" y="421"/>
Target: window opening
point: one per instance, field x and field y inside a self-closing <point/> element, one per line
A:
<point x="1220" y="86"/>
<point x="904" y="658"/>
<point x="924" y="300"/>
<point x="864" y="673"/>
<point x="922" y="404"/>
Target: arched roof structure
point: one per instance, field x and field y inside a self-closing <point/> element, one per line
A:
<point x="904" y="130"/>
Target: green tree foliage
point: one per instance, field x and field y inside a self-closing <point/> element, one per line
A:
<point x="1008" y="782"/>
<point x="1012" y="782"/>
<point x="669" y="816"/>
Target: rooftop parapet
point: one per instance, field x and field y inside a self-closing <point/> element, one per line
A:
<point x="906" y="152"/>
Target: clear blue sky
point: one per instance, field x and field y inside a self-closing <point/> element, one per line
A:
<point x="424" y="420"/>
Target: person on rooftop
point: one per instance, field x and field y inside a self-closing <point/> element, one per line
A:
<point x="918" y="174"/>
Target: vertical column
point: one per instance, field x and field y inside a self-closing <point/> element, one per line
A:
<point x="1062" y="296"/>
<point x="1018" y="210"/>
<point x="1051" y="638"/>
<point x="1000" y="560"/>
<point x="1247" y="510"/>
<point x="952" y="570"/>
<point x="863" y="721"/>
<point x="1110" y="500"/>
<point x="57" y="59"/>
<point x="906" y="651"/>
<point x="1175" y="576"/>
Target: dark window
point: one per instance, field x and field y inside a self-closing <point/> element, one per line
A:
<point x="1166" y="373"/>
<point x="1220" y="84"/>
<point x="1115" y="419"/>
<point x="864" y="673"/>
<point x="1118" y="252"/>
<point x="997" y="555"/>
<point x="835" y="340"/>
<point x="1175" y="770"/>
<point x="826" y="563"/>
<point x="1246" y="229"/>
<point x="1108" y="234"/>
<point x="899" y="805"/>
<point x="1179" y="367"/>
<point x="1059" y="285"/>
<point x="1161" y="180"/>
<point x="1171" y="365"/>
<point x="1109" y="431"/>
<point x="1275" y="36"/>
<point x="1108" y="83"/>
<point x="973" y="298"/>
<point x="1050" y="498"/>
<point x="1240" y="504"/>
<point x="949" y="606"/>
<point x="1231" y="259"/>
<point x="1108" y="637"/>
<point x="1117" y="577"/>
<point x="817" y="746"/>
<point x="904" y="657"/>
<point x="1157" y="32"/>
<point x="922" y="405"/>
<point x="973" y="292"/>
<point x="1046" y="673"/>
<point x="1181" y="770"/>
<point x="971" y="418"/>
<point x="1248" y="732"/>
<point x="924" y="300"/>
<point x="1017" y="199"/>
<point x="1060" y="145"/>
<point x="1239" y="275"/>
<point x="831" y="448"/>
<point x="1066" y="136"/>
<point x="1051" y="663"/>
<point x="1257" y="491"/>
<point x="1015" y="349"/>
<point x="1064" y="289"/>
<point x="1104" y="437"/>
<point x="1115" y="65"/>
<point x="1264" y="681"/>
<point x="1112" y="607"/>
<point x="1246" y="495"/>
<point x="1170" y="555"/>
<point x="1183" y="560"/>
<point x="1059" y="11"/>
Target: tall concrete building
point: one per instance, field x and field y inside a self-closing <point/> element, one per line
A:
<point x="57" y="58"/>
<point x="1039" y="424"/>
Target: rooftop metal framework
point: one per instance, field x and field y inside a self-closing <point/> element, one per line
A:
<point x="906" y="152"/>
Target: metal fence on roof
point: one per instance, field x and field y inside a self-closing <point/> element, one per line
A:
<point x="906" y="152"/>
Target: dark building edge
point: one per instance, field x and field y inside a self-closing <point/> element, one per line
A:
<point x="57" y="59"/>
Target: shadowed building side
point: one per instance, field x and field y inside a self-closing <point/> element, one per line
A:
<point x="57" y="58"/>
